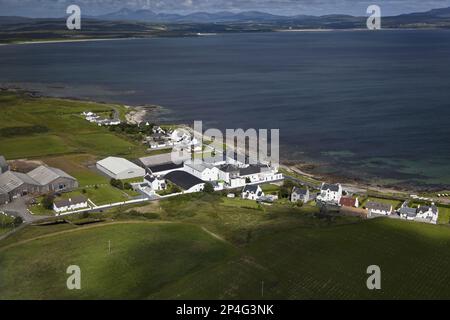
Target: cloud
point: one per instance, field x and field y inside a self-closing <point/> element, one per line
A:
<point x="49" y="8"/>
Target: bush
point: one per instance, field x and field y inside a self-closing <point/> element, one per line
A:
<point x="208" y="188"/>
<point x="127" y="186"/>
<point x="116" y="183"/>
<point x="48" y="200"/>
<point x="18" y="221"/>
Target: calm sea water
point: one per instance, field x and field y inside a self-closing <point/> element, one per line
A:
<point x="372" y="105"/>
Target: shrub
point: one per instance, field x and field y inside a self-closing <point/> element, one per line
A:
<point x="47" y="201"/>
<point x="208" y="188"/>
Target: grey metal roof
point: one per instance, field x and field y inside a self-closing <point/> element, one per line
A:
<point x="11" y="180"/>
<point x="183" y="179"/>
<point x="45" y="175"/>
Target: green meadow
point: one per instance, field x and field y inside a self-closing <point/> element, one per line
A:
<point x="201" y="247"/>
<point x="40" y="127"/>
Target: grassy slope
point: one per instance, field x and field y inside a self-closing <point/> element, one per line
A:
<point x="144" y="258"/>
<point x="63" y="119"/>
<point x="298" y="255"/>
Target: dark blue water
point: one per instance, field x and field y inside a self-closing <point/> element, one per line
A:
<point x="372" y="105"/>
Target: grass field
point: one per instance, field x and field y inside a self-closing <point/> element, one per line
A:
<point x="6" y="223"/>
<point x="444" y="215"/>
<point x="144" y="258"/>
<point x="65" y="130"/>
<point x="302" y="260"/>
<point x="103" y="194"/>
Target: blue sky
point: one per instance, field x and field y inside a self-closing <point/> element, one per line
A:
<point x="53" y="8"/>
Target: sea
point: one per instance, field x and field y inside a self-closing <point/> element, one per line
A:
<point x="365" y="105"/>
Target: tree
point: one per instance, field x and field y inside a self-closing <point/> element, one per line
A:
<point x="286" y="188"/>
<point x="127" y="186"/>
<point x="18" y="221"/>
<point x="47" y="202"/>
<point x="208" y="188"/>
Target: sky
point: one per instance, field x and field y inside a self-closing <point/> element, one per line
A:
<point x="57" y="8"/>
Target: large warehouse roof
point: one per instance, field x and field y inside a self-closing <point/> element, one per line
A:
<point x="45" y="175"/>
<point x="117" y="165"/>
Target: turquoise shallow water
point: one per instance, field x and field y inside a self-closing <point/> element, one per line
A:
<point x="371" y="105"/>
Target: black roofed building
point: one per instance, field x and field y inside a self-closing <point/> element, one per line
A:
<point x="164" y="168"/>
<point x="186" y="181"/>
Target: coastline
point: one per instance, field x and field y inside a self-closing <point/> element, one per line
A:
<point x="150" y="113"/>
<point x="67" y="41"/>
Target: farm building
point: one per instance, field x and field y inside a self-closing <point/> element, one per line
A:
<point x="185" y="181"/>
<point x="38" y="181"/>
<point x="120" y="168"/>
<point x="16" y="184"/>
<point x="53" y="179"/>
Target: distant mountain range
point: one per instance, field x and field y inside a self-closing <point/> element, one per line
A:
<point x="435" y="17"/>
<point x="127" y="23"/>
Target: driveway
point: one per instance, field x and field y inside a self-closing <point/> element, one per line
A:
<point x="18" y="208"/>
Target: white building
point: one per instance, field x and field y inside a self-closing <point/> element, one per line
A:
<point x="71" y="204"/>
<point x="427" y="212"/>
<point x="203" y="171"/>
<point x="300" y="195"/>
<point x="120" y="168"/>
<point x="252" y="192"/>
<point x="330" y="193"/>
<point x="379" y="208"/>
<point x="155" y="183"/>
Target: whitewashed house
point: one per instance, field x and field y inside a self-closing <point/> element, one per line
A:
<point x="71" y="204"/>
<point x="330" y="193"/>
<point x="155" y="183"/>
<point x="252" y="192"/>
<point x="427" y="212"/>
<point x="378" y="208"/>
<point x="300" y="195"/>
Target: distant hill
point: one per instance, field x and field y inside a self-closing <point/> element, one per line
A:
<point x="439" y="17"/>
